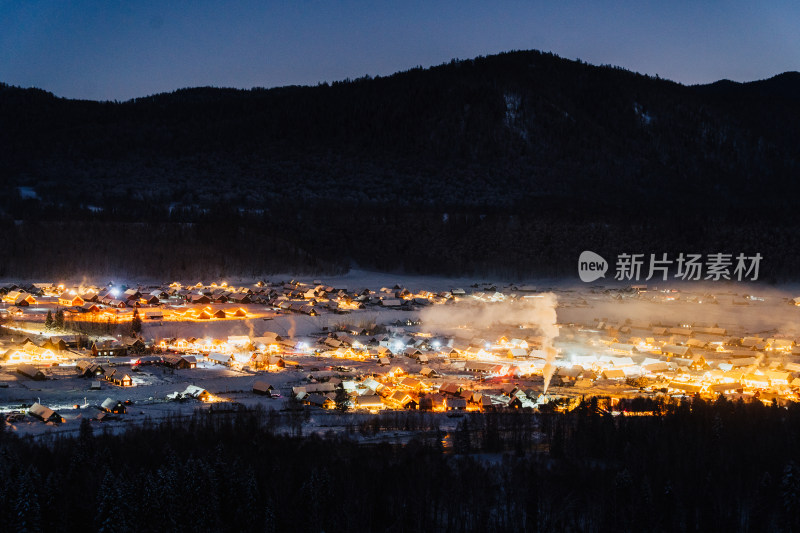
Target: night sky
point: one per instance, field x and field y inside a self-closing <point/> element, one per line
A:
<point x="119" y="50"/>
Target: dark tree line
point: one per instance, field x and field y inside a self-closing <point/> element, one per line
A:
<point x="695" y="466"/>
<point x="328" y="241"/>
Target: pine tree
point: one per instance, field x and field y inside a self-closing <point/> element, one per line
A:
<point x="341" y="398"/>
<point x="26" y="506"/>
<point x="86" y="432"/>
<point x="59" y="319"/>
<point x="107" y="501"/>
<point x="247" y="501"/>
<point x="790" y="492"/>
<point x="49" y="499"/>
<point x="136" y="323"/>
<point x="49" y="322"/>
<point x="269" y="517"/>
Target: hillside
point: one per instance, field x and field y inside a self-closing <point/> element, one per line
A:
<point x="508" y="164"/>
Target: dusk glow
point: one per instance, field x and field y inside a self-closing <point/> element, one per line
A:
<point x="122" y="50"/>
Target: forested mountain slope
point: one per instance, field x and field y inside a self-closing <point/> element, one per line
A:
<point x="508" y="164"/>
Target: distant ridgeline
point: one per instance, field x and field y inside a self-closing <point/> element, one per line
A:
<point x="510" y="165"/>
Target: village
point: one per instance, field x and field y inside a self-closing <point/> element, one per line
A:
<point x="120" y="354"/>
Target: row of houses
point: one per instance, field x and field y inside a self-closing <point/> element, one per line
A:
<point x="700" y="337"/>
<point x="19" y="298"/>
<point x="113" y="374"/>
<point x="107" y="367"/>
<point x="406" y="393"/>
<point x="290" y="296"/>
<point x="395" y="389"/>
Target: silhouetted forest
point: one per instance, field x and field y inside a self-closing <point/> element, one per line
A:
<point x="694" y="466"/>
<point x="509" y="164"/>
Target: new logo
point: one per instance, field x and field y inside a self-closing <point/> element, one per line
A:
<point x="591" y="266"/>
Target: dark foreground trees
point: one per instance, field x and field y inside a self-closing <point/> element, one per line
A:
<point x="701" y="467"/>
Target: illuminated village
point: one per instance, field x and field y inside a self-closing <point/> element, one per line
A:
<point x="388" y="267"/>
<point x="117" y="354"/>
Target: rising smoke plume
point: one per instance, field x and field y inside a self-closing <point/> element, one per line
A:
<point x="539" y="312"/>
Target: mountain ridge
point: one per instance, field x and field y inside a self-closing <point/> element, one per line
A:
<point x="516" y="147"/>
<point x="791" y="76"/>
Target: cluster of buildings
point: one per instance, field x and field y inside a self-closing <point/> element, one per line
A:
<point x="680" y="359"/>
<point x="404" y="364"/>
<point x="204" y="302"/>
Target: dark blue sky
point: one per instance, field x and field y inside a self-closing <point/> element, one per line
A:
<point x="119" y="50"/>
